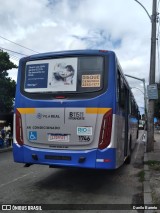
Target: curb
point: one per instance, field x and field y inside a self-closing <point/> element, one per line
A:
<point x="6" y="149"/>
<point x="147" y="192"/>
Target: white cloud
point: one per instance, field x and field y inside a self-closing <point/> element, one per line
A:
<point x="51" y="25"/>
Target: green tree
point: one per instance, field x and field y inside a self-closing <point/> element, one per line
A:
<point x="7" y="85"/>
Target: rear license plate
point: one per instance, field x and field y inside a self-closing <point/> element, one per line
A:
<point x="58" y="137"/>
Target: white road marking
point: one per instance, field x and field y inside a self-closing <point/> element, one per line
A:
<point x="14" y="180"/>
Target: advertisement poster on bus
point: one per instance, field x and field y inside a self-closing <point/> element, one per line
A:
<point x="63" y="76"/>
<point x="51" y="75"/>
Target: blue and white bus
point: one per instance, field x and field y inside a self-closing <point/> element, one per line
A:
<point x="74" y="109"/>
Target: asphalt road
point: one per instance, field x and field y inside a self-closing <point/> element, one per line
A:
<point x="43" y="185"/>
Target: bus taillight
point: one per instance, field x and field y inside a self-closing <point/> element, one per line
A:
<point x="106" y="128"/>
<point x="19" y="131"/>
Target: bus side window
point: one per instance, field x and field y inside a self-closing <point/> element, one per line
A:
<point x="130" y="103"/>
<point x="134" y="109"/>
<point x="118" y="87"/>
<point x="137" y="113"/>
<point x="122" y="94"/>
<point x="120" y="91"/>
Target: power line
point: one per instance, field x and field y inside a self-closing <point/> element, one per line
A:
<point x="18" y="44"/>
<point x="14" y="58"/>
<point x="12" y="51"/>
<point x="12" y="55"/>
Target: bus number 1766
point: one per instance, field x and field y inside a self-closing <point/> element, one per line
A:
<point x="84" y="138"/>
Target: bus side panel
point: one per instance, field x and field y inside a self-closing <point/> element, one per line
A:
<point x="117" y="138"/>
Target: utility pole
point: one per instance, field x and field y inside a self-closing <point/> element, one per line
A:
<point x="150" y="123"/>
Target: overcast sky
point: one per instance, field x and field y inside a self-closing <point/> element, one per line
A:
<point x="52" y="25"/>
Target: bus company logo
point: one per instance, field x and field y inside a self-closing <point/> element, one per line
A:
<point x="39" y="115"/>
<point x="76" y="116"/>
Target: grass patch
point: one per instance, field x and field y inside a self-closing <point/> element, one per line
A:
<point x="155" y="165"/>
<point x="141" y="175"/>
<point x="155" y="198"/>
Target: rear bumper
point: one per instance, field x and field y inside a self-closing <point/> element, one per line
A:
<point x="68" y="158"/>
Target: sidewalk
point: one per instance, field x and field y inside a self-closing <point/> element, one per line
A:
<point x="152" y="174"/>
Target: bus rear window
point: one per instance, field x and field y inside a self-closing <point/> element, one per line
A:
<point x="69" y="74"/>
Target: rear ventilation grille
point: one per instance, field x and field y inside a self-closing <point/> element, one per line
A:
<point x="54" y="157"/>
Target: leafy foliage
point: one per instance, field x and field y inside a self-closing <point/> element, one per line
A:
<point x="7" y="85"/>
